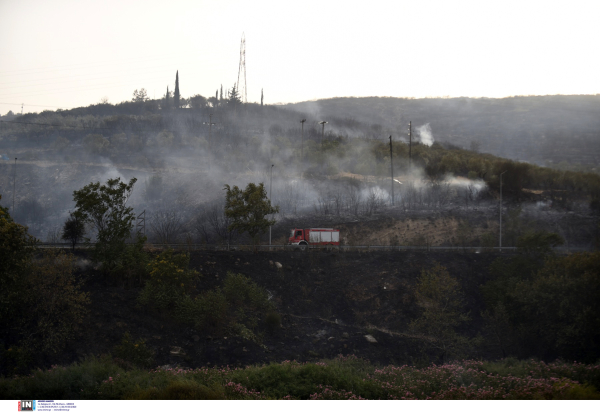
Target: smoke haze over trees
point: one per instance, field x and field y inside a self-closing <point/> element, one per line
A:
<point x="182" y="158"/>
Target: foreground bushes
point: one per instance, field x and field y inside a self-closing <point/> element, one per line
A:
<point x="237" y="308"/>
<point x="341" y="378"/>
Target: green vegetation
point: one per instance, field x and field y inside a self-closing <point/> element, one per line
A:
<point x="545" y="306"/>
<point x="105" y="207"/>
<point x="73" y="230"/>
<point x="42" y="306"/>
<point x="340" y="378"/>
<point x="133" y="353"/>
<point x="170" y="281"/>
<point x="441" y="300"/>
<point x="235" y="309"/>
<point x="248" y="209"/>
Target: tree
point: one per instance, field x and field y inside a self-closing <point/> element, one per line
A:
<point x="167" y="226"/>
<point x="56" y="306"/>
<point x="16" y="251"/>
<point x="248" y="209"/>
<point x="234" y="97"/>
<point x="440" y="297"/>
<point x="176" y="95"/>
<point x="140" y="96"/>
<point x="105" y="207"/>
<point x="198" y="102"/>
<point x="261" y="97"/>
<point x="73" y="230"/>
<point x="562" y="301"/>
<point x="167" y="100"/>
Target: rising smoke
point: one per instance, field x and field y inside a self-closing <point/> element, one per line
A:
<point x="425" y="136"/>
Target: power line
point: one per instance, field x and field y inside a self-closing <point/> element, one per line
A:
<point x="93" y="127"/>
<point x="36" y="105"/>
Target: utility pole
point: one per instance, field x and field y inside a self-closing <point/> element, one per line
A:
<point x="409" y="146"/>
<point x="323" y="123"/>
<point x="14" y="187"/>
<point x="210" y="125"/>
<point x="500" y="239"/>
<point x="270" y="192"/>
<point x="302" y="147"/>
<point x="392" y="168"/>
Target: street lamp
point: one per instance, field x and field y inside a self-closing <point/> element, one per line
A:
<point x="270" y="192"/>
<point x="500" y="239"/>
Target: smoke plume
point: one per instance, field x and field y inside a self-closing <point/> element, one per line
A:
<point x="425" y="135"/>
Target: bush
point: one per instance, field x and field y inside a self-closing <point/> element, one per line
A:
<point x="170" y="281"/>
<point x="273" y="321"/>
<point x="441" y="299"/>
<point x="546" y="309"/>
<point x="57" y="307"/>
<point x="242" y="291"/>
<point x="212" y="310"/>
<point x="136" y="353"/>
<point x="17" y="248"/>
<point x="132" y="266"/>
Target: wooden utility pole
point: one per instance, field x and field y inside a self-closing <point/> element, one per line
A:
<point x="302" y="146"/>
<point x="409" y="146"/>
<point x="323" y="123"/>
<point x="392" y="168"/>
<point x="14" y="187"/>
<point x="500" y="238"/>
<point x="210" y="125"/>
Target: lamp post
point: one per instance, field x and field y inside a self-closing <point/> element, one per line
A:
<point x="270" y="192"/>
<point x="500" y="239"/>
<point x="302" y="147"/>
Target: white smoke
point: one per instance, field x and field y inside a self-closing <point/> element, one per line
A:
<point x="425" y="135"/>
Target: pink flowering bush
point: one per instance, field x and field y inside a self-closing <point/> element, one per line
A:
<point x="345" y="377"/>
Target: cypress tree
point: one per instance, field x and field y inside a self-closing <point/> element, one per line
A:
<point x="167" y="100"/>
<point x="176" y="95"/>
<point x="261" y="97"/>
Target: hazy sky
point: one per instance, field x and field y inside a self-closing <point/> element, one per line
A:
<point x="63" y="53"/>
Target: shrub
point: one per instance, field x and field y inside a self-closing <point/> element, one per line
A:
<point x="180" y="390"/>
<point x="440" y="297"/>
<point x="242" y="291"/>
<point x="273" y="321"/>
<point x="56" y="307"/>
<point x="136" y="353"/>
<point x="132" y="266"/>
<point x="170" y="280"/>
<point x="212" y="310"/>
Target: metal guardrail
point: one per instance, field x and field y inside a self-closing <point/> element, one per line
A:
<point x="345" y="248"/>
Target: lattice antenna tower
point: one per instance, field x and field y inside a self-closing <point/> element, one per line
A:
<point x="241" y="85"/>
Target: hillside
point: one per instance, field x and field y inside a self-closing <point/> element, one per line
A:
<point x="545" y="130"/>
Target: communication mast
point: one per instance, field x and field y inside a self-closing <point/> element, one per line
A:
<point x="241" y="86"/>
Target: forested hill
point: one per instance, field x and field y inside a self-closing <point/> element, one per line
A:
<point x="541" y="129"/>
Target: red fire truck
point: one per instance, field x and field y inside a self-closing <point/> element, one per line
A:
<point x="304" y="238"/>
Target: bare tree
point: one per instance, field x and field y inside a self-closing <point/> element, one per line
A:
<point x="166" y="226"/>
<point x="211" y="225"/>
<point x="354" y="200"/>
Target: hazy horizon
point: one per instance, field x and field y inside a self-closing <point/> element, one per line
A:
<point x="66" y="54"/>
